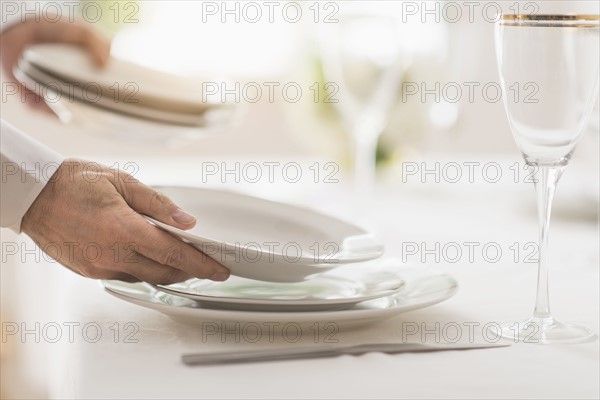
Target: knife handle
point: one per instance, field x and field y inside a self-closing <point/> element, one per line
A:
<point x="295" y="354"/>
<point x="258" y="356"/>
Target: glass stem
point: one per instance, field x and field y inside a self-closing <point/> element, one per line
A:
<point x="364" y="168"/>
<point x="545" y="186"/>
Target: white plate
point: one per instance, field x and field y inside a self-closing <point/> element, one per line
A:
<point x="265" y="240"/>
<point x="423" y="288"/>
<point x="153" y="89"/>
<point x="124" y="106"/>
<point x="323" y="292"/>
<point x="100" y="122"/>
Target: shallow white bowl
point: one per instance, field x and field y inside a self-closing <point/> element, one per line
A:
<point x="265" y="240"/>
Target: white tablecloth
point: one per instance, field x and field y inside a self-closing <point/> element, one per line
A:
<point x="415" y="212"/>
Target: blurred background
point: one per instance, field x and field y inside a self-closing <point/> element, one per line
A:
<point x="426" y="89"/>
<point x="447" y="44"/>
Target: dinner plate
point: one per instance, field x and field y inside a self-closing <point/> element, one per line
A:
<point x="102" y="123"/>
<point x="323" y="292"/>
<point x="153" y="89"/>
<point x="266" y="240"/>
<point x="98" y="99"/>
<point x="423" y="288"/>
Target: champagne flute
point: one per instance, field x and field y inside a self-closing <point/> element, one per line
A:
<point x="363" y="56"/>
<point x="557" y="58"/>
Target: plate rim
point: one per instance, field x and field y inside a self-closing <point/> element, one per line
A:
<point x="38" y="56"/>
<point x="133" y="110"/>
<point x="283" y="302"/>
<point x="350" y="314"/>
<point x="305" y="259"/>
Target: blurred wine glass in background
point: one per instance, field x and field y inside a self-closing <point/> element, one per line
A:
<point x="364" y="59"/>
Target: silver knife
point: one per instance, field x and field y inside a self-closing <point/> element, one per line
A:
<point x="325" y="351"/>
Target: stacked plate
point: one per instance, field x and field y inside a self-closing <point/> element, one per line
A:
<point x="288" y="263"/>
<point x="66" y="77"/>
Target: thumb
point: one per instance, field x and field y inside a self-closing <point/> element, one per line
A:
<point x="148" y="201"/>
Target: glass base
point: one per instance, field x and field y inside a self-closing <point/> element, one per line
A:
<point x="546" y="331"/>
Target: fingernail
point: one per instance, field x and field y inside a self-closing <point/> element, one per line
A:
<point x="219" y="276"/>
<point x="182" y="217"/>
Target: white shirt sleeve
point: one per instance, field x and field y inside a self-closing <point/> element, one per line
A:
<point x="27" y="165"/>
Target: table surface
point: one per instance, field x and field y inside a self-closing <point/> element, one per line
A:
<point x="500" y="213"/>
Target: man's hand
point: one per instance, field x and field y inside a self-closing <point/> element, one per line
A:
<point x="17" y="38"/>
<point x="88" y="218"/>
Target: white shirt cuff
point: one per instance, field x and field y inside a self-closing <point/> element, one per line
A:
<point x="27" y="166"/>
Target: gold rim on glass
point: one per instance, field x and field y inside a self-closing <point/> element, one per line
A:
<point x="548" y="20"/>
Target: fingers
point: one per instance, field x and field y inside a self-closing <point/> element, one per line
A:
<point x="129" y="266"/>
<point x="108" y="275"/>
<point x="150" y="271"/>
<point x="12" y="46"/>
<point x="151" y="202"/>
<point x="123" y="277"/>
<point x="35" y="101"/>
<point x="156" y="244"/>
<point x="169" y="251"/>
<point x="13" y="42"/>
<point x="97" y="45"/>
<point x="16" y="39"/>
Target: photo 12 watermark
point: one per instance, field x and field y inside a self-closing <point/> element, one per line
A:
<point x="452" y="332"/>
<point x="252" y="12"/>
<point x="282" y="172"/>
<point x="454" y="172"/>
<point x="469" y="92"/>
<point x="269" y="91"/>
<point x="53" y="92"/>
<point x="70" y="332"/>
<point x="126" y="12"/>
<point x="453" y="12"/>
<point x="469" y="252"/>
<point x="89" y="171"/>
<point x="269" y="331"/>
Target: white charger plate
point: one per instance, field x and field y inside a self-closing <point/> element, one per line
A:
<point x="266" y="240"/>
<point x="323" y="292"/>
<point x="423" y="288"/>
